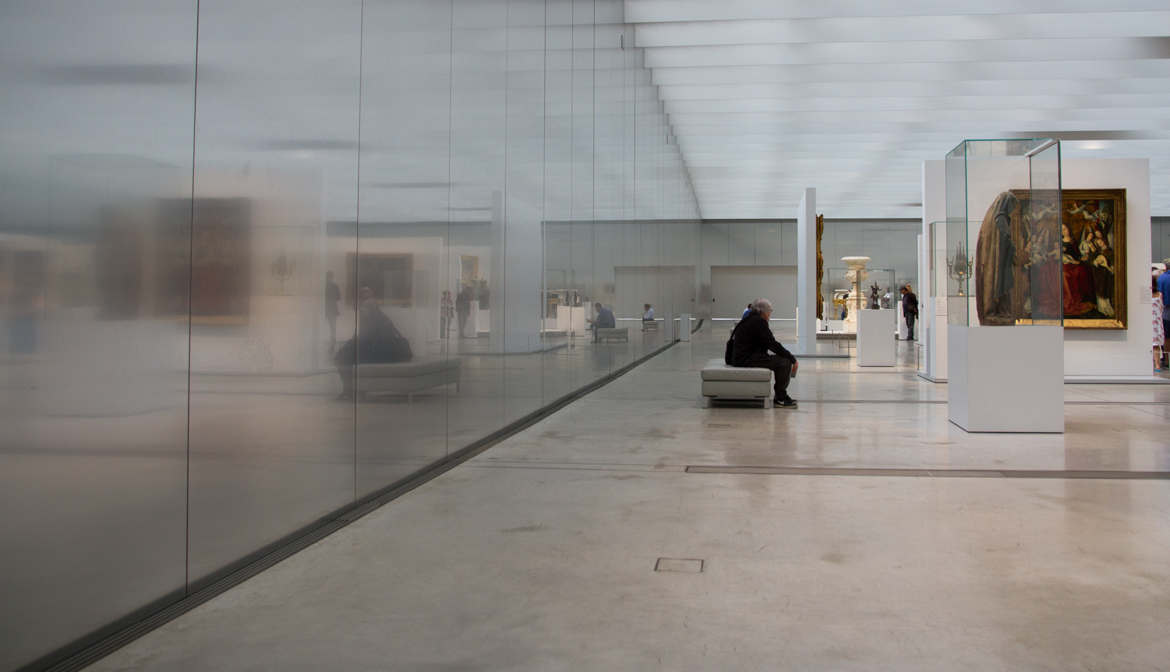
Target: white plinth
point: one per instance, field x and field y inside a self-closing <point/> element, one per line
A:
<point x="684" y="327"/>
<point x="875" y="338"/>
<point x="1006" y="379"/>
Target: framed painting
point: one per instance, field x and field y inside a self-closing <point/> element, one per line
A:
<point x="1093" y="259"/>
<point x="389" y="276"/>
<point x="1020" y="284"/>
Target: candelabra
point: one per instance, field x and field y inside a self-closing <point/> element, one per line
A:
<point x="959" y="268"/>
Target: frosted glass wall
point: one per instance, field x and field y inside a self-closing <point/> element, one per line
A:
<point x="268" y="274"/>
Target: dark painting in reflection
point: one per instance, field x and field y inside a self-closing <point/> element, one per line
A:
<point x="221" y="261"/>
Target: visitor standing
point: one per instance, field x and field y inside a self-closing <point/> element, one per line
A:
<point x="909" y="310"/>
<point x="463" y="308"/>
<point x="332" y="310"/>
<point x="1163" y="288"/>
<point x="446" y="313"/>
<point x="1159" y="317"/>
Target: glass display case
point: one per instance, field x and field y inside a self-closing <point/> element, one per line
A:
<point x="838" y="291"/>
<point x="1003" y="269"/>
<point x="1003" y="233"/>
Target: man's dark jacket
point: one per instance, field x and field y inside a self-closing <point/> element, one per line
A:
<point x="752" y="339"/>
<point x="910" y="304"/>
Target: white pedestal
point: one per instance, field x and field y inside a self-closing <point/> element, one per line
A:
<point x="1006" y="379"/>
<point x="934" y="337"/>
<point x="875" y="338"/>
<point x="571" y="319"/>
<point x="684" y="327"/>
<point x="902" y="329"/>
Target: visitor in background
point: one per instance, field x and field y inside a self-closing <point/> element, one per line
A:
<point x="747" y="311"/>
<point x="463" y="307"/>
<point x="751" y="342"/>
<point x="1159" y="322"/>
<point x="1163" y="287"/>
<point x="647" y="316"/>
<point x="909" y="310"/>
<point x="446" y="313"/>
<point x="603" y="320"/>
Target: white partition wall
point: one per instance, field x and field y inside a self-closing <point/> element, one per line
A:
<point x="1089" y="354"/>
<point x="806" y="273"/>
<point x="932" y="295"/>
<point x="1113" y="354"/>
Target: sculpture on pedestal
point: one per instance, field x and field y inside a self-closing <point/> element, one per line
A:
<point x="855" y="275"/>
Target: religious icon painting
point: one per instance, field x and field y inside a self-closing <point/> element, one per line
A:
<point x="1039" y="261"/>
<point x="1092" y="243"/>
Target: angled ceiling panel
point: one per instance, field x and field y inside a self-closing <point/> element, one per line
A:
<point x="767" y="97"/>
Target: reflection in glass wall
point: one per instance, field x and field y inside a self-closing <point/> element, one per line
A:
<point x="95" y="206"/>
<point x="276" y="134"/>
<point x="354" y="238"/>
<point x="398" y="276"/>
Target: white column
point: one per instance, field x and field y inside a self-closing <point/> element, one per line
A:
<point x="517" y="260"/>
<point x="497" y="282"/>
<point x="806" y="273"/>
<point x="932" y="307"/>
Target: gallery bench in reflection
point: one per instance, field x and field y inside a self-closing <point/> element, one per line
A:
<point x="407" y="378"/>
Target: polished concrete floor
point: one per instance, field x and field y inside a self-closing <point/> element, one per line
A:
<point x="540" y="554"/>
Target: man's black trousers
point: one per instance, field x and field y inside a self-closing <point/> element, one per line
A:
<point x="780" y="366"/>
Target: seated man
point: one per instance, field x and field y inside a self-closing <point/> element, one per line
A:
<point x="751" y="341"/>
<point x="377" y="340"/>
<point x="648" y="316"/>
<point x="604" y="319"/>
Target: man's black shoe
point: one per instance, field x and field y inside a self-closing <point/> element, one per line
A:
<point x="789" y="403"/>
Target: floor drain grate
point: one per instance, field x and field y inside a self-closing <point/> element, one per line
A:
<point x="683" y="565"/>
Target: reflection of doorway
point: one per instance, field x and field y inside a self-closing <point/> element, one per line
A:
<point x="468" y="270"/>
<point x="670" y="289"/>
<point x="732" y="287"/>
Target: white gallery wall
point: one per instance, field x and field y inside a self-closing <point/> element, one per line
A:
<point x="1161" y="238"/>
<point x="1110" y="352"/>
<point x="733" y="286"/>
<point x="1093" y="352"/>
<point x="586" y="255"/>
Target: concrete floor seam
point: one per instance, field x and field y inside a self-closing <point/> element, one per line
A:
<point x="930" y="473"/>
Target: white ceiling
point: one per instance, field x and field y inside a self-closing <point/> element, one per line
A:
<point x="767" y="97"/>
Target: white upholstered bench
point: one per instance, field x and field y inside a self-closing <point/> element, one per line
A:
<point x="721" y="381"/>
<point x="407" y="377"/>
<point x="613" y="334"/>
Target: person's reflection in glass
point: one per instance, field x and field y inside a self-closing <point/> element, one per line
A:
<point x="332" y="298"/>
<point x="446" y="314"/>
<point x="377" y="341"/>
<point x="463" y="308"/>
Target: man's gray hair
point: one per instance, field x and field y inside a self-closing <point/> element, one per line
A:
<point x="762" y="306"/>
